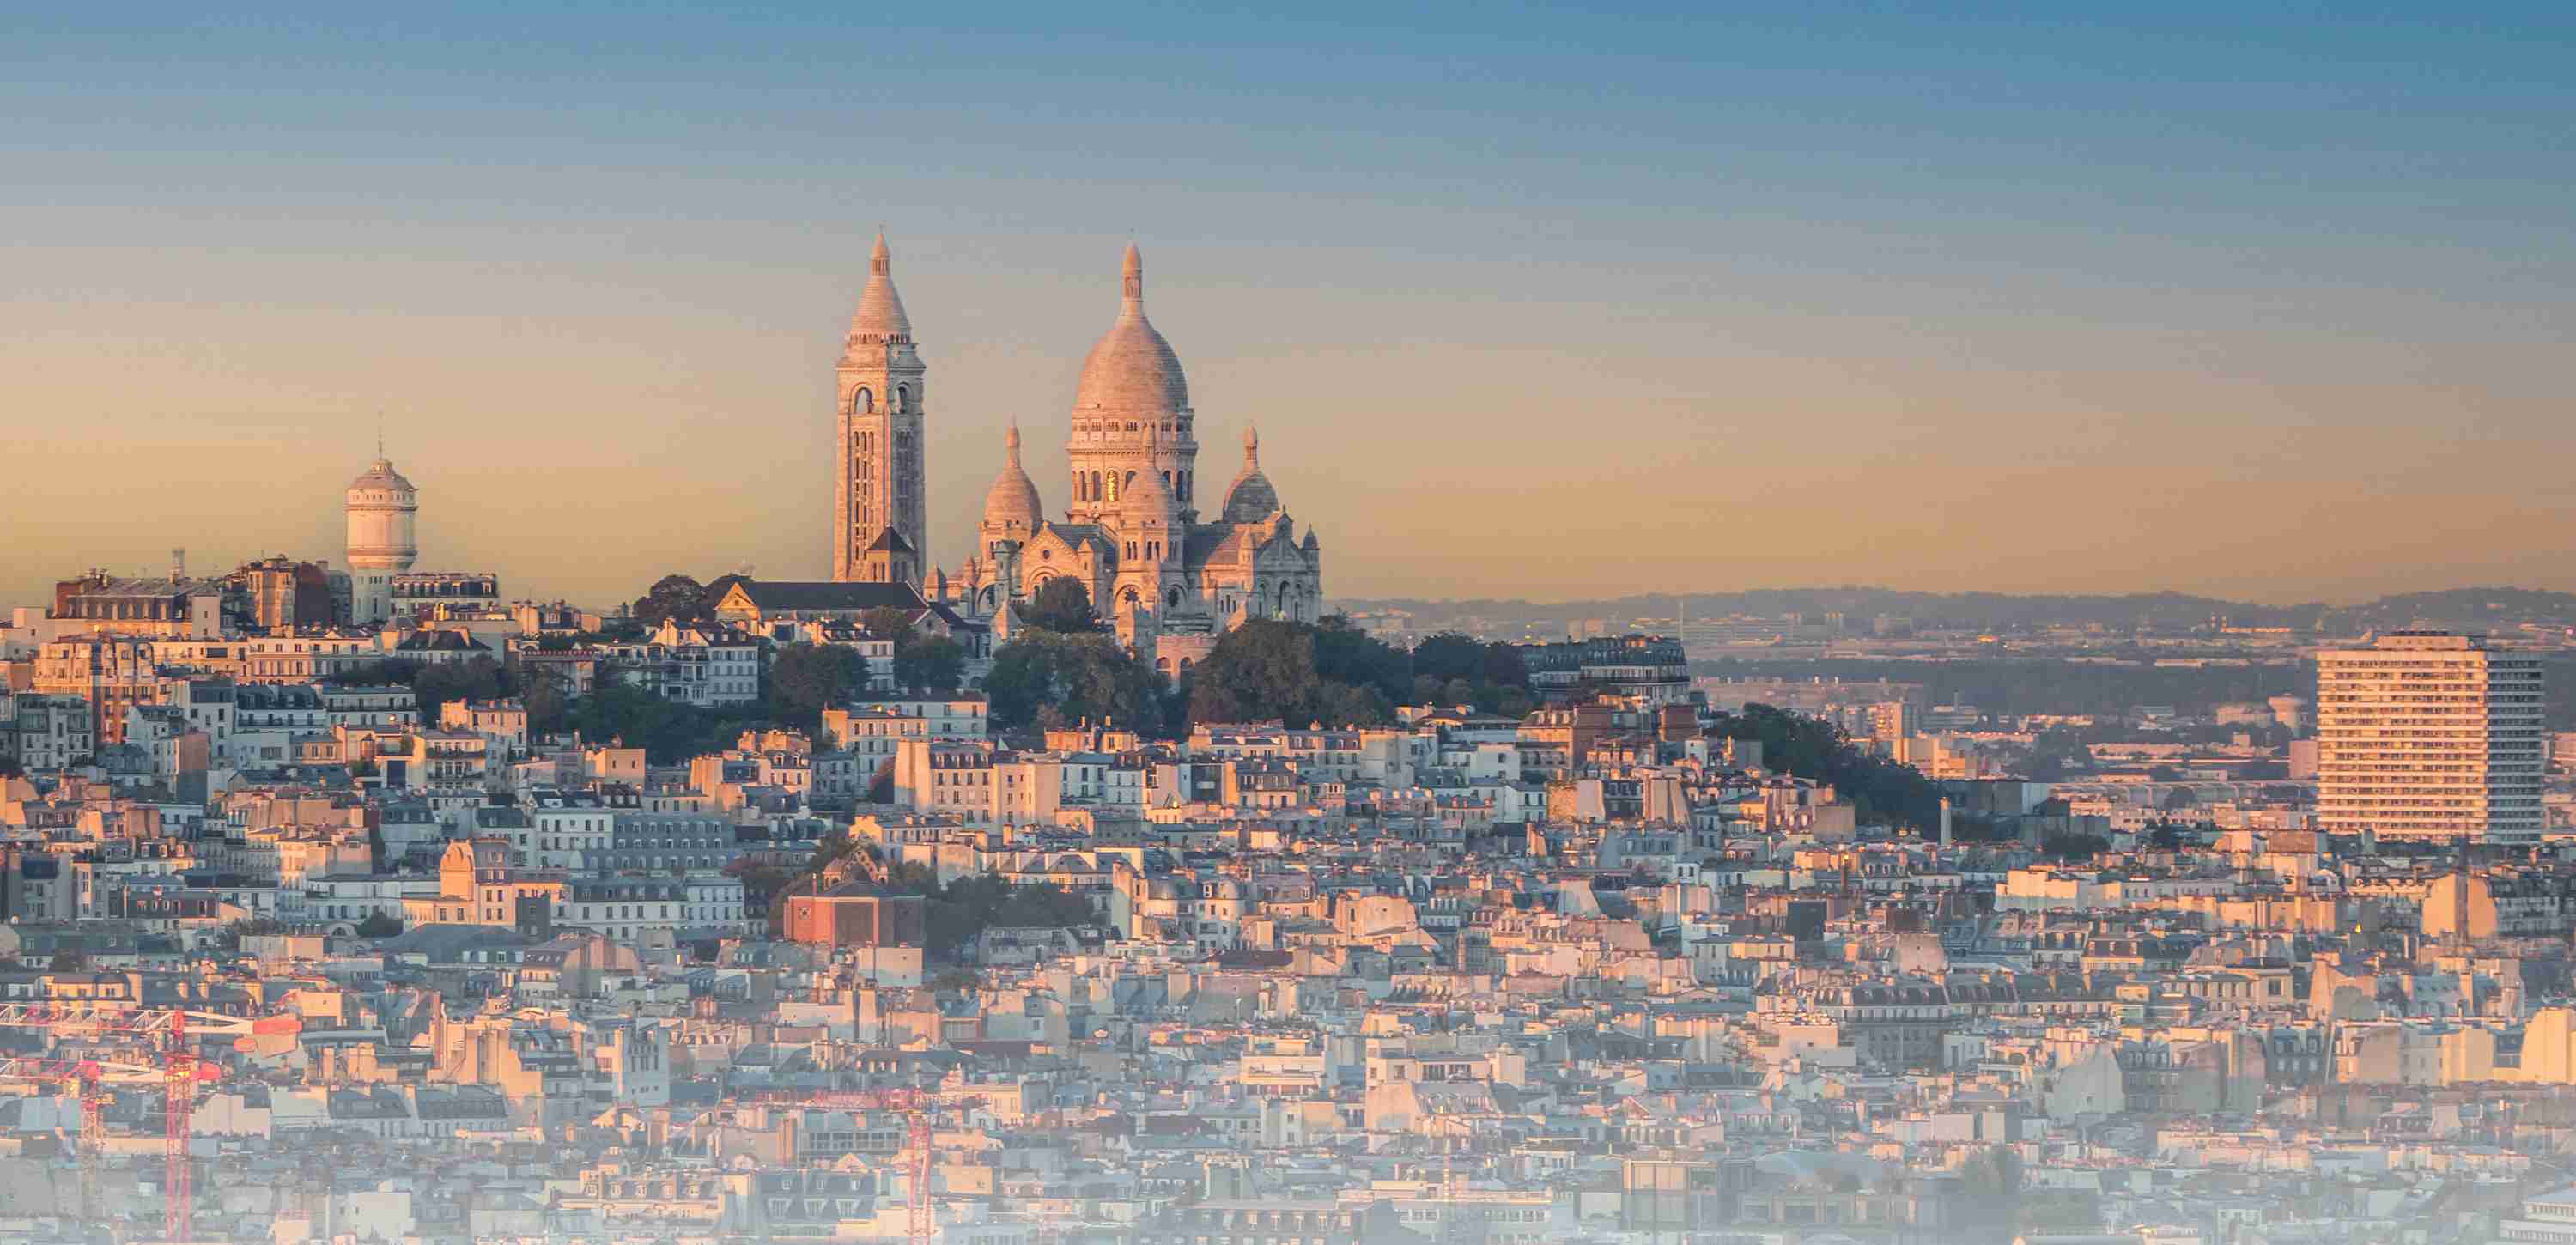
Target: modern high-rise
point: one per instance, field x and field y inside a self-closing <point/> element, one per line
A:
<point x="879" y="495"/>
<point x="2430" y="735"/>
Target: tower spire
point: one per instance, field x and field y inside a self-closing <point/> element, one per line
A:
<point x="880" y="319"/>
<point x="1132" y="272"/>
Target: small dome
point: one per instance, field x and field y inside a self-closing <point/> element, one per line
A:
<point x="1132" y="370"/>
<point x="1250" y="499"/>
<point x="1012" y="503"/>
<point x="880" y="317"/>
<point x="380" y="474"/>
<point x="1150" y="497"/>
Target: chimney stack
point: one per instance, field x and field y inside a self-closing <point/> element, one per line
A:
<point x="178" y="565"/>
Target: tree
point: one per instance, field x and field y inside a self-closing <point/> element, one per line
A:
<point x="959" y="980"/>
<point x="547" y="693"/>
<point x="380" y="925"/>
<point x="1076" y="676"/>
<point x="929" y="663"/>
<point x="1346" y="654"/>
<point x="1061" y="604"/>
<point x="677" y="598"/>
<point x="1447" y="656"/>
<point x="1504" y="668"/>
<point x="1261" y="670"/>
<point x="2178" y="799"/>
<point x="475" y="678"/>
<point x="806" y="679"/>
<point x="1814" y="748"/>
<point x="885" y="622"/>
<point x="68" y="962"/>
<point x="1991" y="1173"/>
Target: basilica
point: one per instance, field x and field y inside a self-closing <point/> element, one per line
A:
<point x="1170" y="577"/>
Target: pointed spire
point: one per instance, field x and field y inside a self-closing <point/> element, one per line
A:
<point x="1133" y="274"/>
<point x="1252" y="447"/>
<point x="880" y="318"/>
<point x="1011" y="444"/>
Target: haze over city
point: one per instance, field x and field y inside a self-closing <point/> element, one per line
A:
<point x="1525" y="302"/>
<point x="1451" y="624"/>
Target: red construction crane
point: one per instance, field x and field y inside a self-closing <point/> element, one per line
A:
<point x="82" y="1077"/>
<point x="915" y="1106"/>
<point x="180" y="1071"/>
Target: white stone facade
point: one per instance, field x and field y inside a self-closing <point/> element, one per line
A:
<point x="1132" y="533"/>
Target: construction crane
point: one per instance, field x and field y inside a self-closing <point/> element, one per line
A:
<point x="83" y="1078"/>
<point x="915" y="1107"/>
<point x="178" y="1073"/>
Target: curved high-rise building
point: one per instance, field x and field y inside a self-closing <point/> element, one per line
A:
<point x="382" y="509"/>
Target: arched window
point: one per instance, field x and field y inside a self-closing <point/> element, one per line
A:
<point x="1128" y="483"/>
<point x="863" y="402"/>
<point x="902" y="398"/>
<point x="1171" y="597"/>
<point x="1163" y="664"/>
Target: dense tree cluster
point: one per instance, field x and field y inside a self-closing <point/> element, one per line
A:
<point x="1297" y="673"/>
<point x="1065" y="667"/>
<point x="1046" y="678"/>
<point x="1061" y="605"/>
<point x="677" y="598"/>
<point x="1452" y="669"/>
<point x="806" y="679"/>
<point x="922" y="662"/>
<point x="1879" y="788"/>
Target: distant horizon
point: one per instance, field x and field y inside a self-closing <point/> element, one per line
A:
<point x="1955" y="592"/>
<point x="2261" y="306"/>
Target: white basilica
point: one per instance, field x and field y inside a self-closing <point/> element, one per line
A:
<point x="1132" y="533"/>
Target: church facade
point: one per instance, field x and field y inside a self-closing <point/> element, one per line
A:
<point x="1168" y="568"/>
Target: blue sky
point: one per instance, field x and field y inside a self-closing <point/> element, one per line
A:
<point x="2267" y="301"/>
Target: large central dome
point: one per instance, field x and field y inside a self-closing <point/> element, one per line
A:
<point x="1132" y="371"/>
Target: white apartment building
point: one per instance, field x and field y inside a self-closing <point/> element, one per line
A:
<point x="703" y="666"/>
<point x="2427" y="734"/>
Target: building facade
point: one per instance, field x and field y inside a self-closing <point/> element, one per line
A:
<point x="2427" y="734"/>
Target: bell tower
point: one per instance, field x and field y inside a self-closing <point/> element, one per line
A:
<point x="879" y="502"/>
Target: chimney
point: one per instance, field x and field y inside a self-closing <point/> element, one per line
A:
<point x="178" y="565"/>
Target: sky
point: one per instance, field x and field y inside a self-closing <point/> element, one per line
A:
<point x="2265" y="301"/>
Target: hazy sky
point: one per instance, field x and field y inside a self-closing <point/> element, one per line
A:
<point x="2264" y="301"/>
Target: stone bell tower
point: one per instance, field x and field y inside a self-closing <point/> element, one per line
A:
<point x="878" y="527"/>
